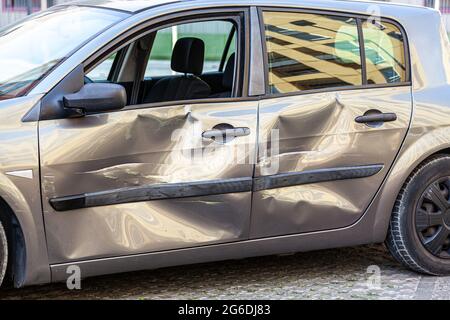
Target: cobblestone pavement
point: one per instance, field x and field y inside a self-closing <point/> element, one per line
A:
<point x="349" y="273"/>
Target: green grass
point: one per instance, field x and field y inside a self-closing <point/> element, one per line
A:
<point x="214" y="45"/>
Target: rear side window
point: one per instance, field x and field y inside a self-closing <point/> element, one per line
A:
<point x="385" y="53"/>
<point x="311" y="51"/>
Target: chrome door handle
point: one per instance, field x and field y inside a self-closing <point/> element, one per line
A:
<point x="225" y="134"/>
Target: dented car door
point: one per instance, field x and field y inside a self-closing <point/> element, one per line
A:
<point x="110" y="162"/>
<point x="332" y="122"/>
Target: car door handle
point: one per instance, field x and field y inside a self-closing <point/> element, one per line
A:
<point x="375" y="117"/>
<point x="226" y="133"/>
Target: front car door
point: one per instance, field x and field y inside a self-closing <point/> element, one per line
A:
<point x="101" y="170"/>
<point x="337" y="109"/>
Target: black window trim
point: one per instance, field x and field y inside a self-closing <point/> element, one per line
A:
<point x="362" y="51"/>
<point x="360" y="19"/>
<point x="226" y="50"/>
<point x="117" y="63"/>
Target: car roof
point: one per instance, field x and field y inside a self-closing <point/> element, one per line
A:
<point x="134" y="6"/>
<point x="123" y="5"/>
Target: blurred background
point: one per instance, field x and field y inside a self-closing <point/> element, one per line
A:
<point x="12" y="10"/>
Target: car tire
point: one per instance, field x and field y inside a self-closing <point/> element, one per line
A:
<point x="419" y="230"/>
<point x="3" y="253"/>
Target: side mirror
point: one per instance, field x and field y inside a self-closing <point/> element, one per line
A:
<point x="96" y="97"/>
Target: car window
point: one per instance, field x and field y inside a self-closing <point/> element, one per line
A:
<point x="385" y="53"/>
<point x="101" y="72"/>
<point x="32" y="47"/>
<point x="213" y="33"/>
<point x="311" y="51"/>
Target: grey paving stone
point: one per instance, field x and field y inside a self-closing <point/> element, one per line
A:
<point x="366" y="272"/>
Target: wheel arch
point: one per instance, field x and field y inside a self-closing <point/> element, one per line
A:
<point x="26" y="231"/>
<point x="415" y="151"/>
<point x="15" y="272"/>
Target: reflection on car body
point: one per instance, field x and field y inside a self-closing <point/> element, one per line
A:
<point x="190" y="131"/>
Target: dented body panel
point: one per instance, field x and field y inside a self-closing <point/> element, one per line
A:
<point x="146" y="147"/>
<point x="328" y="137"/>
<point x="142" y="147"/>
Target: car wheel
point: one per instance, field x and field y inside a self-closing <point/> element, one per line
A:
<point x="419" y="231"/>
<point x="3" y="253"/>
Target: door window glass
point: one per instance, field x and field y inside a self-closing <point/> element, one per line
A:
<point x="174" y="70"/>
<point x="311" y="51"/>
<point x="101" y="72"/>
<point x="213" y="33"/>
<point x="31" y="48"/>
<point x="385" y="53"/>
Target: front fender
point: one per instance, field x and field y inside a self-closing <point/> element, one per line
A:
<point x="20" y="185"/>
<point x="28" y="213"/>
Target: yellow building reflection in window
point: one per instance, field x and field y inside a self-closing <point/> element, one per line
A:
<point x="311" y="51"/>
<point x="385" y="54"/>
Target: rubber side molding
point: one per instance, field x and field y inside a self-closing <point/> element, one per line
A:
<point x="314" y="176"/>
<point x="152" y="192"/>
<point x="210" y="187"/>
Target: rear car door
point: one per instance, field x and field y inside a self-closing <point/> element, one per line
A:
<point x="153" y="176"/>
<point x="337" y="109"/>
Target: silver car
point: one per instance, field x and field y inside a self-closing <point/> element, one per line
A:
<point x="144" y="134"/>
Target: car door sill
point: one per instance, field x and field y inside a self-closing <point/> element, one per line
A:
<point x="355" y="234"/>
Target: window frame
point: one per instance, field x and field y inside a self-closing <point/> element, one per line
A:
<point x="241" y="15"/>
<point x="360" y="18"/>
<point x="227" y="48"/>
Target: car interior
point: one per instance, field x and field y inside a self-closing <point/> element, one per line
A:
<point x="189" y="61"/>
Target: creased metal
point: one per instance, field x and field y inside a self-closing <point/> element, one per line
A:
<point x="131" y="148"/>
<point x="139" y="147"/>
<point x="318" y="131"/>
